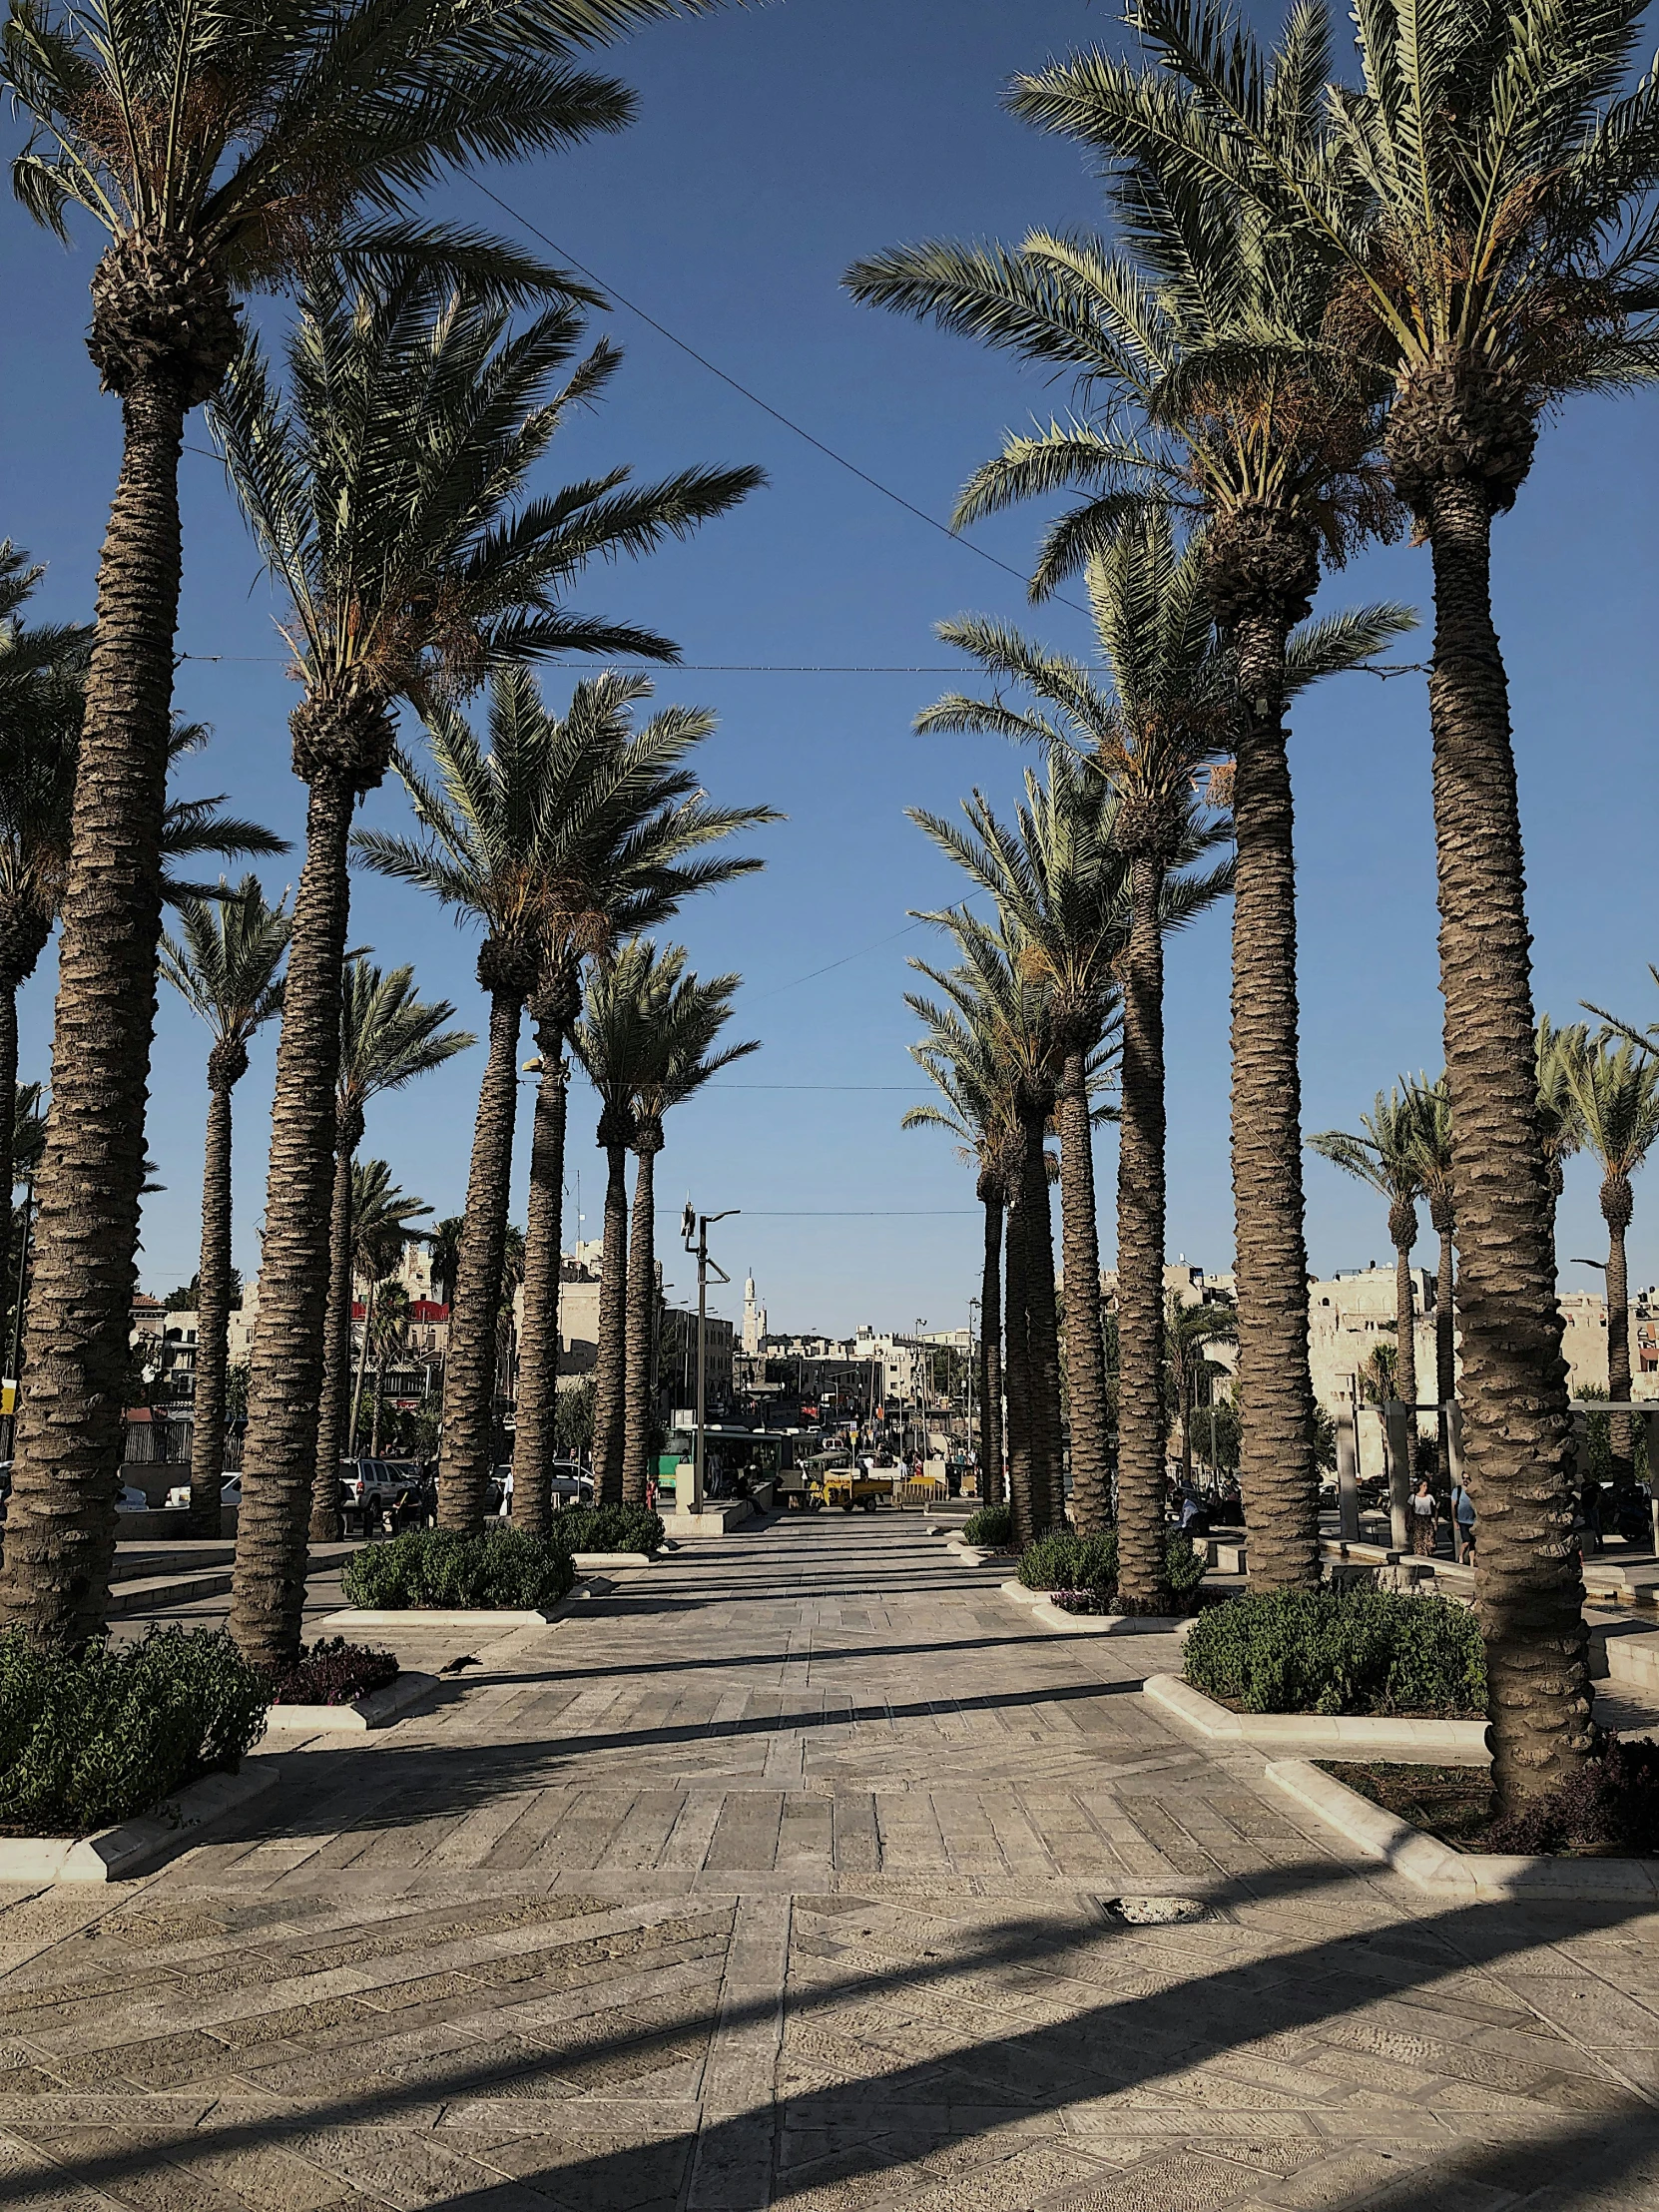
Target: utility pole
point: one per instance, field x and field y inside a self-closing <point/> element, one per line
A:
<point x="694" y="1229"/>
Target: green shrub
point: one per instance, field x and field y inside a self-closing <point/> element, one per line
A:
<point x="1063" y="1560"/>
<point x="1328" y="1651"/>
<point x="609" y="1528"/>
<point x="992" y="1526"/>
<point x="331" y="1672"/>
<point x="499" y="1569"/>
<point x="92" y="1740"/>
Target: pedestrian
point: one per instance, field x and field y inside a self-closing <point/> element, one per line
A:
<point x="1423" y="1511"/>
<point x="1462" y="1518"/>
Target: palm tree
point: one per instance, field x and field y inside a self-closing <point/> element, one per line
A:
<point x="224" y="965"/>
<point x="389" y="496"/>
<point x="390" y="1334"/>
<point x="556" y="832"/>
<point x="1615" y="1088"/>
<point x="1481" y="205"/>
<point x="688" y="1015"/>
<point x="28" y="1143"/>
<point x="978" y="1110"/>
<point x="444" y="1254"/>
<point x="1205" y="334"/>
<point x="388" y="1037"/>
<point x="1432" y="1148"/>
<point x="1387" y="1158"/>
<point x="382" y="1229"/>
<point x="221" y="150"/>
<point x="1188" y="1330"/>
<point x="1560" y="1124"/>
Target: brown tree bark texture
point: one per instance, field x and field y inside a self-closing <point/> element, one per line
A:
<point x="1091" y="1479"/>
<point x="336" y="1355"/>
<point x="642" y="1302"/>
<point x="1042" y="1335"/>
<point x="60" y="1531"/>
<point x="1017" y="1363"/>
<point x="1143" y="1575"/>
<point x="470" y="1363"/>
<point x="990" y="1358"/>
<point x="1275" y="1455"/>
<point x="610" y="1352"/>
<point x="8" y="1137"/>
<point x="1529" y="1586"/>
<point x="1616" y="1211"/>
<point x="538" y="1342"/>
<point x="285" y="1384"/>
<point x="1445" y="1326"/>
<point x="212" y="1321"/>
<point x="1405" y="1348"/>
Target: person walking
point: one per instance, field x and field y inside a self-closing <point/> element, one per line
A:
<point x="1462" y="1521"/>
<point x="1424" y="1512"/>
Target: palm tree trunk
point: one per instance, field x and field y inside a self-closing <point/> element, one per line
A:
<point x="363" y="1369"/>
<point x="642" y="1304"/>
<point x="376" y="1402"/>
<point x="1616" y="1210"/>
<point x="213" y="1311"/>
<point x="285" y="1384"/>
<point x="1275" y="1396"/>
<point x="538" y="1349"/>
<point x="60" y="1530"/>
<point x="1186" y="1413"/>
<point x="8" y="1126"/>
<point x="1445" y="1326"/>
<point x="1406" y="1326"/>
<point x="1529" y="1584"/>
<point x="990" y="1355"/>
<point x="332" y="1438"/>
<point x="1091" y="1479"/>
<point x="1017" y="1360"/>
<point x="1042" y="1335"/>
<point x="1143" y="1575"/>
<point x="611" y="1351"/>
<point x="470" y="1371"/>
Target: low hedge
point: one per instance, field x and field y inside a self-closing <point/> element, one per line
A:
<point x="499" y="1569"/>
<point x="609" y="1528"/>
<point x="992" y="1527"/>
<point x="92" y="1739"/>
<point x="332" y="1672"/>
<point x="1328" y="1651"/>
<point x="1063" y="1561"/>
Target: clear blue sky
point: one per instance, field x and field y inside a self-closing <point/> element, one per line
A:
<point x="773" y="148"/>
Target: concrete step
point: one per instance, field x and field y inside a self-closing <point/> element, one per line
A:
<point x="1633" y="1660"/>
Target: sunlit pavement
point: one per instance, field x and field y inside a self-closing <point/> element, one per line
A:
<point x="784" y="1874"/>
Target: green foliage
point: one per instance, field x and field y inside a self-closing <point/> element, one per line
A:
<point x="1217" y="1433"/>
<point x="90" y="1740"/>
<point x="609" y="1528"/>
<point x="1328" y="1651"/>
<point x="1599" y="1438"/>
<point x="499" y="1569"/>
<point x="573" y="1416"/>
<point x="992" y="1526"/>
<point x="1063" y="1560"/>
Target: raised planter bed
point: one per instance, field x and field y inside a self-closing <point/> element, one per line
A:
<point x="611" y="1562"/>
<point x="714" y="1520"/>
<point x="135" y="1845"/>
<point x="351" y="1620"/>
<point x="1107" y="1624"/>
<point x="377" y="1710"/>
<point x="1465" y="1739"/>
<point x="1463" y="1874"/>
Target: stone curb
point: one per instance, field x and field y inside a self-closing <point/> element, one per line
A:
<point x="1466" y="1741"/>
<point x="589" y="1563"/>
<point x="148" y="1594"/>
<point x="1110" y="1624"/>
<point x="379" y="1710"/>
<point x="434" y="1618"/>
<point x="1428" y="1865"/>
<point x="1021" y="1595"/>
<point x="135" y="1845"/>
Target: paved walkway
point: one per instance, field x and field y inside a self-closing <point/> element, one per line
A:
<point x="791" y="1873"/>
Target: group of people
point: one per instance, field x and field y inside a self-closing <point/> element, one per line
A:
<point x="1422" y="1514"/>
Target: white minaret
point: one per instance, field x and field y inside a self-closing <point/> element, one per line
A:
<point x="753" y="1318"/>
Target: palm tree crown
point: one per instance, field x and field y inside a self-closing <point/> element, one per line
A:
<point x="388" y="1037"/>
<point x="223" y="967"/>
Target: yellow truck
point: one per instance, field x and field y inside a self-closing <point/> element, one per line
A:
<point x="837" y="1481"/>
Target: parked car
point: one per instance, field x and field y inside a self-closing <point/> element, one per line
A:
<point x="367" y="1481"/>
<point x="571" y="1483"/>
<point x="230" y="1491"/>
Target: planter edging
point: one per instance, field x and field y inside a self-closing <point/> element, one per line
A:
<point x="1108" y="1624"/>
<point x="610" y="1562"/>
<point x="353" y="1617"/>
<point x="1431" y="1864"/>
<point x="135" y="1845"/>
<point x="379" y="1710"/>
<point x="1466" y="1741"/>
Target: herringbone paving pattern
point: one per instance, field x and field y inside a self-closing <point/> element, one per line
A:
<point x="788" y="1874"/>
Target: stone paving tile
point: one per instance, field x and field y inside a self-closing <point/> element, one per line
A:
<point x="781" y="1874"/>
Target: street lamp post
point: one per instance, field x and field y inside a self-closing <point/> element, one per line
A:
<point x="694" y="1226"/>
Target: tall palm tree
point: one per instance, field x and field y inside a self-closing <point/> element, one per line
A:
<point x="391" y="1336"/>
<point x="388" y="494"/>
<point x="690" y="1019"/>
<point x="1387" y="1158"/>
<point x="388" y="1037"/>
<point x="1481" y="206"/>
<point x="1193" y="354"/>
<point x="224" y="965"/>
<point x="977" y="1108"/>
<point x="1188" y="1330"/>
<point x="28" y="1143"/>
<point x="219" y="151"/>
<point x="616" y="1042"/>
<point x="551" y="837"/>
<point x="1431" y="1147"/>
<point x="383" y="1222"/>
<point x="1560" y="1124"/>
<point x="1615" y="1087"/>
<point x="444" y="1253"/>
